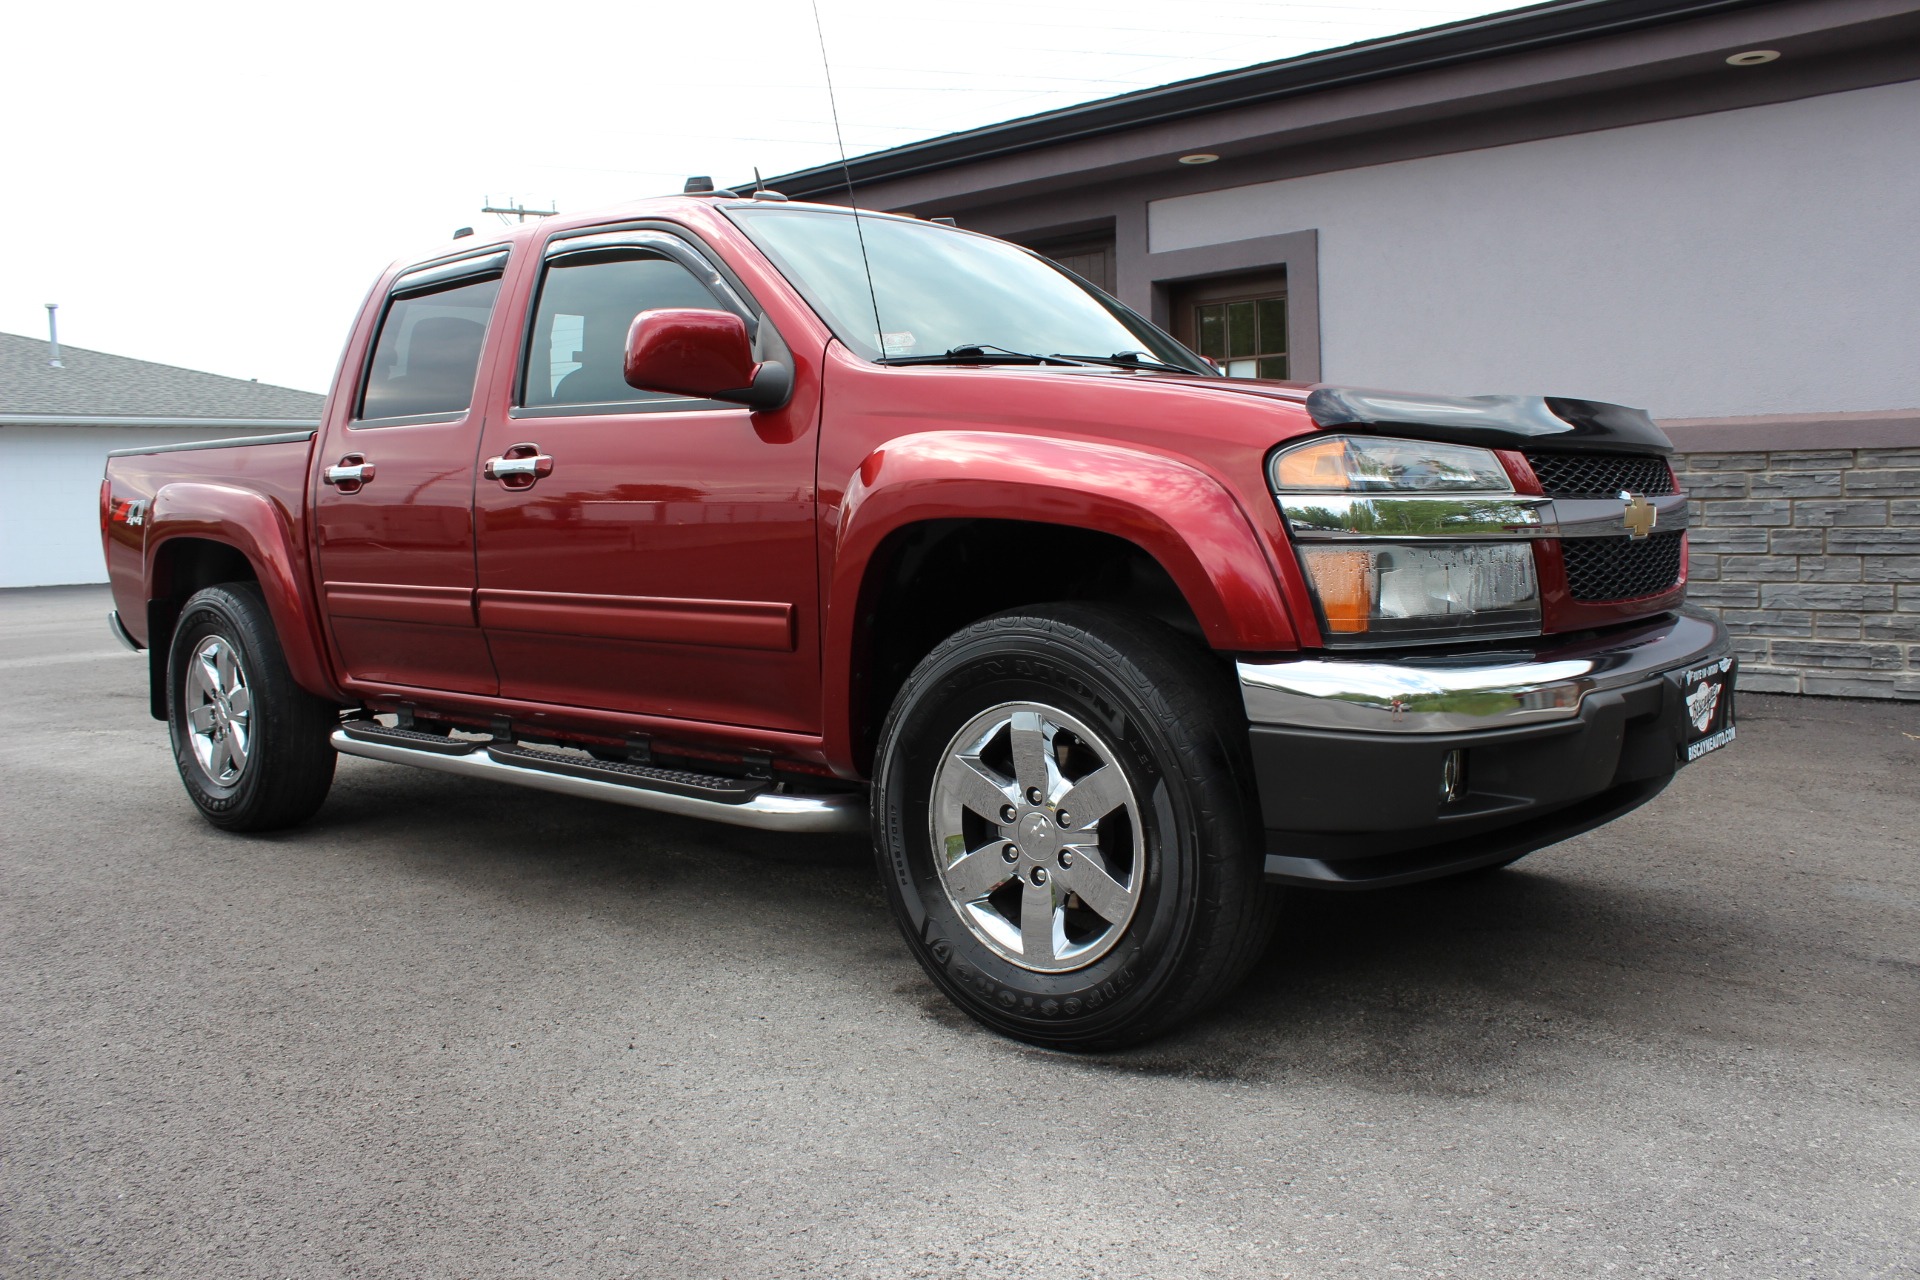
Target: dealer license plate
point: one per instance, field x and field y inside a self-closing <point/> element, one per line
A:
<point x="1706" y="694"/>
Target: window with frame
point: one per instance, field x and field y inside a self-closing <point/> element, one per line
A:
<point x="427" y="355"/>
<point x="1239" y="322"/>
<point x="577" y="350"/>
<point x="1246" y="337"/>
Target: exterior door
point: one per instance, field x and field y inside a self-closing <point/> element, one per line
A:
<point x="658" y="555"/>
<point x="1091" y="258"/>
<point x="393" y="516"/>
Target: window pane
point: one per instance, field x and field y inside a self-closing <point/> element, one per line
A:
<point x="1212" y="327"/>
<point x="1273" y="367"/>
<point x="1273" y="326"/>
<point x="587" y="304"/>
<point x="1241" y="339"/>
<point x="428" y="352"/>
<point x="1094" y="265"/>
<point x="930" y="289"/>
<point x="565" y="341"/>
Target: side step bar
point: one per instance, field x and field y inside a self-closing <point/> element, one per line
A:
<point x="739" y="802"/>
<point x="413" y="739"/>
<point x="699" y="786"/>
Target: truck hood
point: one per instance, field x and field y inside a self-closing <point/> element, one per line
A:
<point x="1501" y="422"/>
<point x="1492" y="421"/>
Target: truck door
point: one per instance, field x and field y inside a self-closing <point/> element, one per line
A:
<point x="393" y="512"/>
<point x="642" y="552"/>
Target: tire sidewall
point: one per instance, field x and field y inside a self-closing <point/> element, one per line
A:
<point x="1032" y="664"/>
<point x="219" y="611"/>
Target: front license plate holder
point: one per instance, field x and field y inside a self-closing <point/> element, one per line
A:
<point x="1706" y="707"/>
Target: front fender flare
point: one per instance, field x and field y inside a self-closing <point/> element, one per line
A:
<point x="1187" y="520"/>
<point x="268" y="535"/>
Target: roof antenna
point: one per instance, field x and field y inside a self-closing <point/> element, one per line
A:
<point x="53" y="337"/>
<point x="761" y="191"/>
<point x="833" y="105"/>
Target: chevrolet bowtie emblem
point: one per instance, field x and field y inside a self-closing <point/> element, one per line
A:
<point x="1640" y="515"/>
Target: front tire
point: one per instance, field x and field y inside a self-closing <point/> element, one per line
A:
<point x="1066" y="830"/>
<point x="251" y="745"/>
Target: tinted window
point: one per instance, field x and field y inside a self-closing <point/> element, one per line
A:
<point x="429" y="351"/>
<point x="587" y="304"/>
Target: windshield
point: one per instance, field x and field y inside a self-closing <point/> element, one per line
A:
<point x="939" y="291"/>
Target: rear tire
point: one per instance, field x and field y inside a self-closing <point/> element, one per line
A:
<point x="1079" y="931"/>
<point x="251" y="745"/>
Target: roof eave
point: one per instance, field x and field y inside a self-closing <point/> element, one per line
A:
<point x="1515" y="31"/>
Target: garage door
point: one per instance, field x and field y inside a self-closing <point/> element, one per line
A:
<point x="50" y="497"/>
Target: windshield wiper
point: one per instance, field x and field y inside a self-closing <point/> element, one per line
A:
<point x="983" y="353"/>
<point x="1127" y="360"/>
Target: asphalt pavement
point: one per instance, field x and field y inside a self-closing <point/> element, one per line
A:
<point x="446" y="1031"/>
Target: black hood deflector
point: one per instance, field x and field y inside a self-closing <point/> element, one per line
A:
<point x="1497" y="422"/>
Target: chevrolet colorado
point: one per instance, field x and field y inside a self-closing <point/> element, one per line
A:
<point x="784" y="516"/>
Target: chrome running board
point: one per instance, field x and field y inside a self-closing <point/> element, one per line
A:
<point x="842" y="813"/>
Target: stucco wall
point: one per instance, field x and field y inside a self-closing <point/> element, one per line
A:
<point x="1758" y="261"/>
<point x="50" y="497"/>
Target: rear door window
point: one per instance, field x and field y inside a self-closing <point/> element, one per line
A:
<point x="428" y="352"/>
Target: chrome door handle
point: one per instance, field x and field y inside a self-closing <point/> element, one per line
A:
<point x="349" y="474"/>
<point x="519" y="466"/>
<point x="501" y="468"/>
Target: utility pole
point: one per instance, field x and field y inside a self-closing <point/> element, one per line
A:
<point x="518" y="211"/>
<point x="53" y="337"/>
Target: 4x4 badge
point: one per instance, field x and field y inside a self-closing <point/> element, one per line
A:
<point x="1640" y="515"/>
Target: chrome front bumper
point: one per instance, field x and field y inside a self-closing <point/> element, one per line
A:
<point x="1373" y="772"/>
<point x="1461" y="693"/>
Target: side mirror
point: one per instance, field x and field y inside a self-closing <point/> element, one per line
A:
<point x="690" y="352"/>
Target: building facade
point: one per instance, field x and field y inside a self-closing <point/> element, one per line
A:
<point x="1705" y="208"/>
<point x="59" y="421"/>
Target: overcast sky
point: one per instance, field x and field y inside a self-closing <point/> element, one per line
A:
<point x="216" y="184"/>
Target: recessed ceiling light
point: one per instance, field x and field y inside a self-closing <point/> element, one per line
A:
<point x="1199" y="157"/>
<point x="1753" y="57"/>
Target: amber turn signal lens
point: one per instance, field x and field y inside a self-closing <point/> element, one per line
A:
<point x="1341" y="580"/>
<point x="1315" y="467"/>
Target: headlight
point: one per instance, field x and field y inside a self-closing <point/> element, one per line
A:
<point x="1407" y="542"/>
<point x="1350" y="464"/>
<point x="1399" y="592"/>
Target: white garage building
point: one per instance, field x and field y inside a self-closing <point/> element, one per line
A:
<point x="59" y="422"/>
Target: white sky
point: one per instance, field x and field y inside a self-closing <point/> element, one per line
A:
<point x="215" y="185"/>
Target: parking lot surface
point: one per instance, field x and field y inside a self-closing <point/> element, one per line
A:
<point x="452" y="1031"/>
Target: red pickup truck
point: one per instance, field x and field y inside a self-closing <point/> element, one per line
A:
<point x="810" y="521"/>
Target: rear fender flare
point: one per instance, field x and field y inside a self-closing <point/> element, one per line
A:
<point x="267" y="534"/>
<point x="1187" y="520"/>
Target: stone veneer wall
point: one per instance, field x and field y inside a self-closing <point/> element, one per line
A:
<point x="1812" y="559"/>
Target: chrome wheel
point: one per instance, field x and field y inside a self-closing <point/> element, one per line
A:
<point x="219" y="710"/>
<point x="1037" y="837"/>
